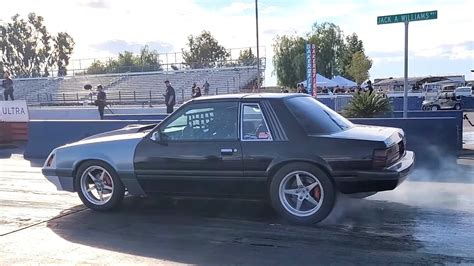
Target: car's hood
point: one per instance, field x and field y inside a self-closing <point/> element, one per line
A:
<point x="388" y="135"/>
<point x="427" y="102"/>
<point x="127" y="133"/>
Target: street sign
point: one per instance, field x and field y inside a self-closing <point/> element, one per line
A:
<point x="427" y="15"/>
<point x="406" y="19"/>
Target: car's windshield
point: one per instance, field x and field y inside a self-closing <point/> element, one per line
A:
<point x="315" y="117"/>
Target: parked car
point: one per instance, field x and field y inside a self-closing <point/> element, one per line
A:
<point x="445" y="100"/>
<point x="288" y="148"/>
<point x="465" y="91"/>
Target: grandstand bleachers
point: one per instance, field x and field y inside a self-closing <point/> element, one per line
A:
<point x="129" y="88"/>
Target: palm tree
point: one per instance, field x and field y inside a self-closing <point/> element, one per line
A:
<point x="367" y="104"/>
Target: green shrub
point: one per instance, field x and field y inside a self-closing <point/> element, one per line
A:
<point x="367" y="104"/>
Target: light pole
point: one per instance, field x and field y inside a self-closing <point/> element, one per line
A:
<point x="258" y="48"/>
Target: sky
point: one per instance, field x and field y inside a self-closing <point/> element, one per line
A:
<point x="103" y="28"/>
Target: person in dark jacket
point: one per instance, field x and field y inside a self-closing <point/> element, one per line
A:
<point x="303" y="89"/>
<point x="101" y="101"/>
<point x="369" y="87"/>
<point x="197" y="92"/>
<point x="7" y="84"/>
<point x="206" y="88"/>
<point x="170" y="97"/>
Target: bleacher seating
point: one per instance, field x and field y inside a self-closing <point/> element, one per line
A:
<point x="132" y="87"/>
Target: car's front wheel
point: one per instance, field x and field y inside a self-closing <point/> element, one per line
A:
<point x="457" y="106"/>
<point x="434" y="108"/>
<point x="302" y="193"/>
<point x="99" y="186"/>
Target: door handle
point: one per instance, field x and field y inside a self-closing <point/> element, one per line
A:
<point x="228" y="151"/>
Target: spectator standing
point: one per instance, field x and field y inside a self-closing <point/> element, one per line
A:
<point x="206" y="88"/>
<point x="101" y="100"/>
<point x="7" y="84"/>
<point x="303" y="89"/>
<point x="170" y="97"/>
<point x="197" y="92"/>
<point x="369" y="86"/>
<point x="193" y="89"/>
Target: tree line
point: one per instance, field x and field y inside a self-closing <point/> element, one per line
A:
<point x="336" y="54"/>
<point x="29" y="50"/>
<point x="203" y="51"/>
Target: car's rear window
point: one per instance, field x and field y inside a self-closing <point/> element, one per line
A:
<point x="315" y="117"/>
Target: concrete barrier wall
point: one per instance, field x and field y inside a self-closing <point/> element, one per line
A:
<point x="458" y="115"/>
<point x="433" y="139"/>
<point x="13" y="132"/>
<point x="89" y="112"/>
<point x="467" y="103"/>
<point x="414" y="103"/>
<point x="155" y="117"/>
<point x="44" y="136"/>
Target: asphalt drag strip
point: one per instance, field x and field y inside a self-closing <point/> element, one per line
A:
<point x="427" y="220"/>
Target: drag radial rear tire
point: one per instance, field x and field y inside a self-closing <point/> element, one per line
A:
<point x="302" y="193"/>
<point x="99" y="186"/>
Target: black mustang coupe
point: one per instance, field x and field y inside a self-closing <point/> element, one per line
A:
<point x="287" y="148"/>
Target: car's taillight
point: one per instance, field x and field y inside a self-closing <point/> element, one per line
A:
<point x="50" y="160"/>
<point x="385" y="157"/>
<point x="379" y="158"/>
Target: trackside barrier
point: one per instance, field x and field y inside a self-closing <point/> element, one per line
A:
<point x="433" y="139"/>
<point x="155" y="117"/>
<point x="458" y="115"/>
<point x="44" y="135"/>
<point x="13" y="132"/>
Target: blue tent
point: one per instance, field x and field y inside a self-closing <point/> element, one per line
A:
<point x="343" y="82"/>
<point x="322" y="81"/>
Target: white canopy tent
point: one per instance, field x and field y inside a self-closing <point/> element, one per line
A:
<point x="343" y="82"/>
<point x="322" y="81"/>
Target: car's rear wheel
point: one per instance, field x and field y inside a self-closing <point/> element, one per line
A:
<point x="99" y="186"/>
<point x="457" y="106"/>
<point x="434" y="108"/>
<point x="302" y="193"/>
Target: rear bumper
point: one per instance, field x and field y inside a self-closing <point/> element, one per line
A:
<point x="371" y="181"/>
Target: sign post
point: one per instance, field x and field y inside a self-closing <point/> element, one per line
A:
<point x="406" y="18"/>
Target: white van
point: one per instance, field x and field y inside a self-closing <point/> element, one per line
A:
<point x="465" y="91"/>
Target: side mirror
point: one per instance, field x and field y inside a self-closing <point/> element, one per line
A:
<point x="156" y="136"/>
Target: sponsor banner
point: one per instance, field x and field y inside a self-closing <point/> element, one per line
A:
<point x="309" y="66"/>
<point x="312" y="89"/>
<point x="14" y="111"/>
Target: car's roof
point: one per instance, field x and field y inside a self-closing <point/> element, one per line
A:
<point x="240" y="96"/>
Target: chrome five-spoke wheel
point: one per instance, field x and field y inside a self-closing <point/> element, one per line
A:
<point x="97" y="185"/>
<point x="301" y="193"/>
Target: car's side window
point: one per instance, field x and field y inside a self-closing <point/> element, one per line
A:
<point x="204" y="121"/>
<point x="254" y="127"/>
